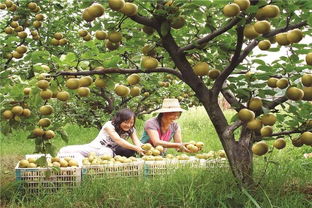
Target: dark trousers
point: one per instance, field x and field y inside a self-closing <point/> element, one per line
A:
<point x="124" y="152"/>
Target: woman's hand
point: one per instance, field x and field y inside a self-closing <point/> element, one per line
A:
<point x="183" y="148"/>
<point x="140" y="150"/>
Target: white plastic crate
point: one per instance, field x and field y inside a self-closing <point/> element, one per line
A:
<point x="214" y="163"/>
<point x="48" y="179"/>
<point x="132" y="169"/>
<point x="157" y="168"/>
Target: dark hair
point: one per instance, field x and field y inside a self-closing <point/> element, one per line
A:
<point x="121" y="116"/>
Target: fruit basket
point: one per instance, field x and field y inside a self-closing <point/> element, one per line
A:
<point x="108" y="170"/>
<point x="48" y="179"/>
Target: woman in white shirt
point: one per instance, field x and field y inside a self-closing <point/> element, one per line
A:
<point x="112" y="138"/>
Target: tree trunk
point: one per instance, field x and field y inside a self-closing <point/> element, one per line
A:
<point x="238" y="152"/>
<point x="240" y="160"/>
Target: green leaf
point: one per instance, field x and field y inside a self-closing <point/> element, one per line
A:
<point x="164" y="29"/>
<point x="42" y="161"/>
<point x="63" y="134"/>
<point x="234" y="118"/>
<point x="51" y="149"/>
<point x="38" y="141"/>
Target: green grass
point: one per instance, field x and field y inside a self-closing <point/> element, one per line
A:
<point x="284" y="177"/>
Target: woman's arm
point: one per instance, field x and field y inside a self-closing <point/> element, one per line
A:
<point x="177" y="137"/>
<point x="120" y="141"/>
<point x="135" y="139"/>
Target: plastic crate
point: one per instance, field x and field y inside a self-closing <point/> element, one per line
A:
<point x="48" y="179"/>
<point x="157" y="168"/>
<point x="191" y="162"/>
<point x="214" y="163"/>
<point x="133" y="169"/>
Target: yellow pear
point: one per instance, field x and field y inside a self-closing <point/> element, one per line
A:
<point x="294" y="36"/>
<point x="294" y="93"/>
<point x="250" y="32"/>
<point x="306" y="138"/>
<point x="264" y="45"/>
<point x="246" y="115"/>
<point x="7" y="114"/>
<point x="260" y="148"/>
<point x="266" y="131"/>
<point x="279" y="143"/>
<point x="44" y="122"/>
<point x="129" y="9"/>
<point x="271" y="11"/>
<point x="46" y="110"/>
<point x="282" y="83"/>
<point x="254" y="124"/>
<point x="83" y="91"/>
<point x="268" y="119"/>
<point x="62" y="96"/>
<point x="149" y="62"/>
<point x="214" y="73"/>
<point x="116" y="5"/>
<point x="231" y="10"/>
<point x="262" y="27"/>
<point x="306" y="80"/>
<point x="122" y="90"/>
<point x="307" y="91"/>
<point x="114" y="37"/>
<point x="135" y="91"/>
<point x="100" y="35"/>
<point x="281" y="39"/>
<point x="255" y="104"/>
<point x="309" y="58"/>
<point x="72" y="83"/>
<point x="133" y="79"/>
<point x="17" y="110"/>
<point x="100" y="83"/>
<point x="201" y="69"/>
<point x="85" y="81"/>
<point x="272" y="82"/>
<point x="243" y="4"/>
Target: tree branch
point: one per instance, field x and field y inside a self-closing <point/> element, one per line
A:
<point x="231" y="128"/>
<point x="234" y="62"/>
<point x="144" y="21"/>
<point x="120" y="71"/>
<point x="276" y="102"/>
<point x="230" y="98"/>
<point x="211" y="36"/>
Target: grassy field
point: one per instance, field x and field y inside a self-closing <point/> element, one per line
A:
<point x="284" y="177"/>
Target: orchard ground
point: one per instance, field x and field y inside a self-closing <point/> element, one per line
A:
<point x="283" y="176"/>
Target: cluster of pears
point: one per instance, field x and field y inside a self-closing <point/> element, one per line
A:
<point x="194" y="147"/>
<point x="294" y="93"/>
<point x="81" y="85"/>
<point x="127" y="8"/>
<point x="202" y="69"/>
<point x="93" y="159"/>
<point x="304" y="138"/>
<point x="113" y="39"/>
<point x="148" y="61"/>
<point x="92" y="12"/>
<point x="58" y="39"/>
<point x="261" y="148"/>
<point x="9" y="5"/>
<point x="211" y="155"/>
<point x="150" y="150"/>
<point x="18" y="52"/>
<point x="123" y="91"/>
<point x="53" y="162"/>
<point x="16" y="112"/>
<point x="262" y="125"/>
<point x="233" y="9"/>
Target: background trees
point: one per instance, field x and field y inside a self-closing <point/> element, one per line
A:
<point x="71" y="62"/>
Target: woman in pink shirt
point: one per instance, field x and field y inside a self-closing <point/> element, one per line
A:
<point x="162" y="129"/>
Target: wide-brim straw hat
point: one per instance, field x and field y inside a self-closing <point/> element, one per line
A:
<point x="170" y="105"/>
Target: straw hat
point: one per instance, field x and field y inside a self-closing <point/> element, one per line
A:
<point x="170" y="105"/>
